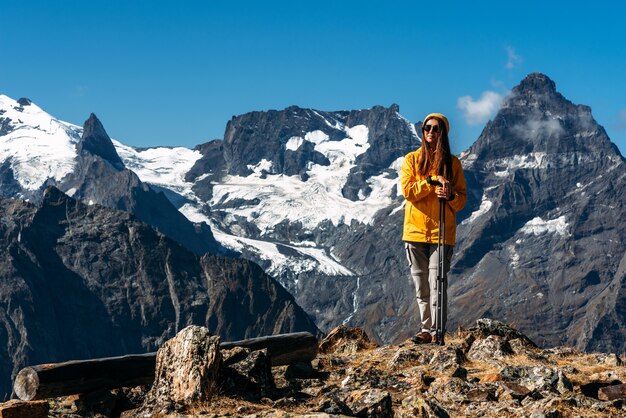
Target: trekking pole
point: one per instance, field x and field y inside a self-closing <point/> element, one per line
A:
<point x="441" y="273"/>
<point x="441" y="269"/>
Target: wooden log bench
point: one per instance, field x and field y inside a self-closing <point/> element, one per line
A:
<point x="82" y="376"/>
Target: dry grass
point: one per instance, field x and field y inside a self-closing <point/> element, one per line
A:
<point x="225" y="406"/>
<point x="405" y="371"/>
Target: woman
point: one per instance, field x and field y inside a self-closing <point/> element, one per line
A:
<point x="429" y="174"/>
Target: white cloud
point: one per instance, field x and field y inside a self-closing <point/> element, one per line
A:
<point x="512" y="58"/>
<point x="478" y="111"/>
<point x="531" y="128"/>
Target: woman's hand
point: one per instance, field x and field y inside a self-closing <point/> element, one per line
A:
<point x="441" y="180"/>
<point x="445" y="190"/>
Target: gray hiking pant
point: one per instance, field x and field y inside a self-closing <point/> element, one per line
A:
<point x="423" y="259"/>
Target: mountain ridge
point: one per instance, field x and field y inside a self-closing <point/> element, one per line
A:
<point x="312" y="197"/>
<point x="84" y="281"/>
<point x="556" y="164"/>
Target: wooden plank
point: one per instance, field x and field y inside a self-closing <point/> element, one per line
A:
<point x="83" y="376"/>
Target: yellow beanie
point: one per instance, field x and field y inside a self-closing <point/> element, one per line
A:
<point x="439" y="116"/>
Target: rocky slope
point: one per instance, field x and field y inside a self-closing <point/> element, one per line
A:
<point x="83" y="281"/>
<point x="544" y="245"/>
<point x="489" y="370"/>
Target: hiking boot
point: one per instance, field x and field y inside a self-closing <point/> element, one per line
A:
<point x="422" y="338"/>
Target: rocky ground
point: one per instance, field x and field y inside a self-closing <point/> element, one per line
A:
<point x="490" y="370"/>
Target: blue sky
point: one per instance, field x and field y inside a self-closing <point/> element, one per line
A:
<point x="174" y="73"/>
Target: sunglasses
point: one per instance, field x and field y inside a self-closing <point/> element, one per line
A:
<point x="427" y="128"/>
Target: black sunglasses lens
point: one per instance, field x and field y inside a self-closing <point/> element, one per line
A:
<point x="435" y="128"/>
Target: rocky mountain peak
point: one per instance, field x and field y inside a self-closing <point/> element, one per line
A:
<point x="537" y="94"/>
<point x="96" y="141"/>
<point x="289" y="142"/>
<point x="535" y="117"/>
<point x="536" y="82"/>
<point x="21" y="104"/>
<point x="542" y="178"/>
<point x="24" y="102"/>
<point x="53" y="196"/>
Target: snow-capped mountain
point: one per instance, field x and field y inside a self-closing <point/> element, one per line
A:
<point x="34" y="147"/>
<point x="312" y="197"/>
<point x="529" y="241"/>
<point x="544" y="245"/>
<point x="80" y="280"/>
<point x="286" y="204"/>
<point x="269" y="199"/>
<point x="289" y="188"/>
<point x="38" y="150"/>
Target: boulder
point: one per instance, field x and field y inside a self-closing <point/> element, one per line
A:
<point x="417" y="406"/>
<point x="345" y="339"/>
<point x="448" y="358"/>
<point x="370" y="403"/>
<point x="486" y="394"/>
<point x="486" y="327"/>
<point x="250" y="376"/>
<point x="510" y="390"/>
<point x="490" y="349"/>
<point x="449" y="389"/>
<point x="24" y="409"/>
<point x="611" y="393"/>
<point x="609" y="359"/>
<point x="334" y="406"/>
<point x="538" y="378"/>
<point x="187" y="368"/>
<point x="404" y="357"/>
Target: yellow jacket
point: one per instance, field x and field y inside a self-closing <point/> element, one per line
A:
<point x="421" y="211"/>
